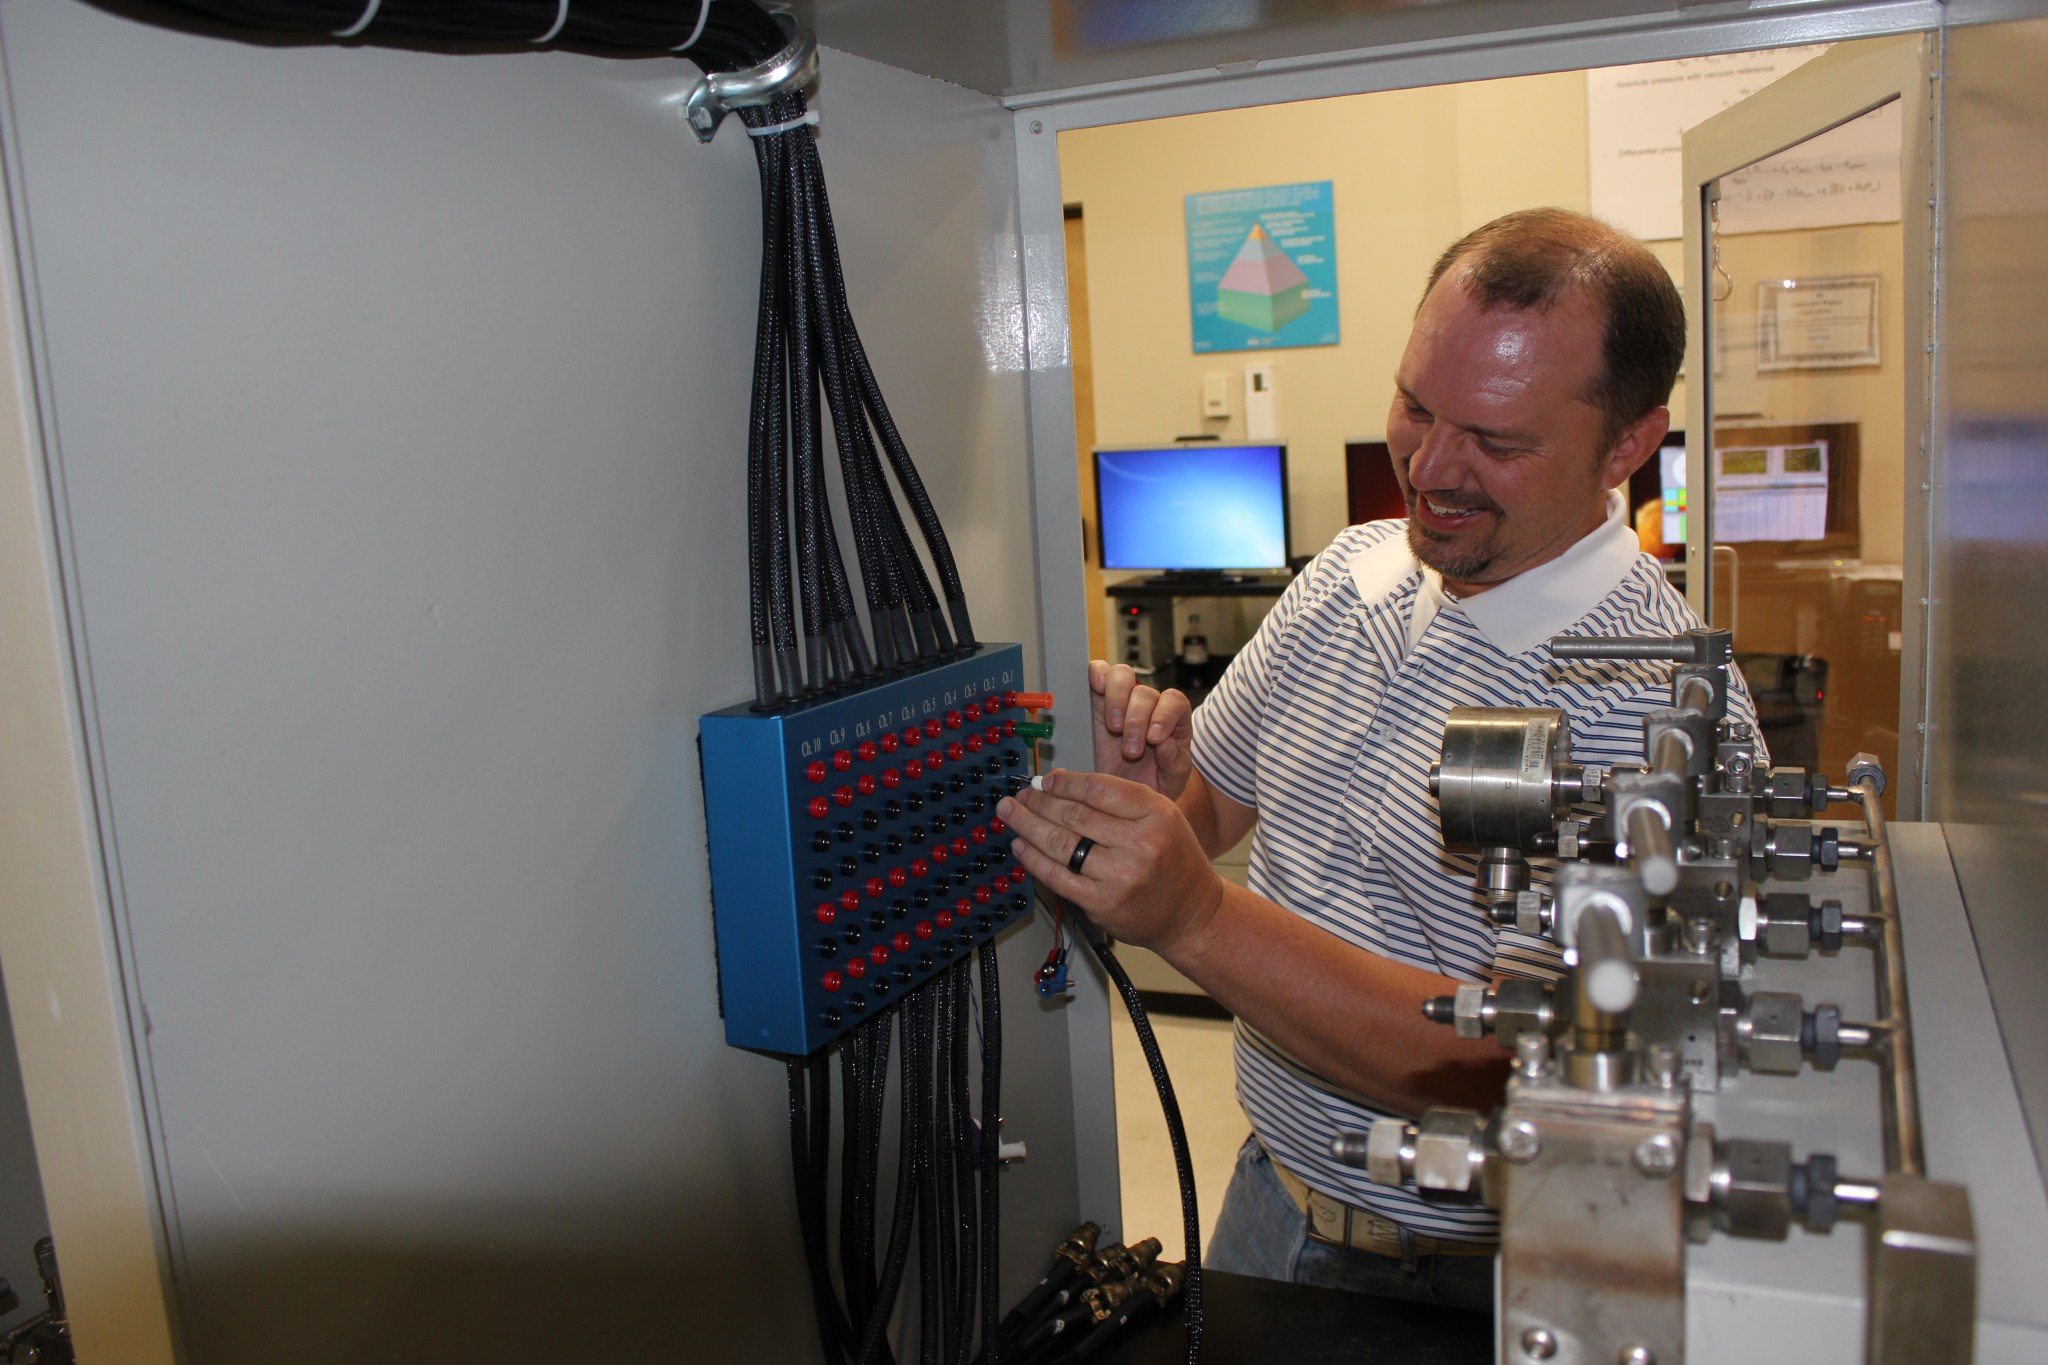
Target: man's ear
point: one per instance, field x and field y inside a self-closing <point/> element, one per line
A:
<point x="1639" y="441"/>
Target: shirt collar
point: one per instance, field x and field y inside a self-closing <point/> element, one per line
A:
<point x="1535" y="604"/>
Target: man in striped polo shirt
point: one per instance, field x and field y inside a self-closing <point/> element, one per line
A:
<point x="1533" y="384"/>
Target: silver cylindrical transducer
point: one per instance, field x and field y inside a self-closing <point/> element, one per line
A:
<point x="1504" y="775"/>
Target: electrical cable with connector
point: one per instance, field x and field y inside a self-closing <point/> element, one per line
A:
<point x="1155" y="1061"/>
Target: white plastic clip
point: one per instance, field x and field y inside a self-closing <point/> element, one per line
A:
<point x="703" y="13"/>
<point x="561" y="18"/>
<point x="807" y="119"/>
<point x="369" y="13"/>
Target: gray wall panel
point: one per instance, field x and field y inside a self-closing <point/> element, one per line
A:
<point x="1989" y="748"/>
<point x="398" y="402"/>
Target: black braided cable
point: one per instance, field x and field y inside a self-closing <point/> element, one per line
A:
<point x="733" y="35"/>
<point x="1183" y="1164"/>
<point x="765" y="455"/>
<point x="892" y="440"/>
<point x="991" y="1142"/>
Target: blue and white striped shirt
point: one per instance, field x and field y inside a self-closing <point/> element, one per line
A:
<point x="1327" y="722"/>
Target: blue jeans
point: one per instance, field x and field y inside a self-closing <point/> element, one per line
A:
<point x="1263" y="1232"/>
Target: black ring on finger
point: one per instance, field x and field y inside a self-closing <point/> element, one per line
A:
<point x="1080" y="855"/>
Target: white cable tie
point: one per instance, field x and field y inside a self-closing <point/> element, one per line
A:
<point x="703" y="13"/>
<point x="369" y="13"/>
<point x="807" y="119"/>
<point x="561" y="18"/>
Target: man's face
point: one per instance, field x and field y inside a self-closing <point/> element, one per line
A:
<point x="1496" y="448"/>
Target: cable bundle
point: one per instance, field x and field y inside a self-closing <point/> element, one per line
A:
<point x="946" y="1170"/>
<point x="808" y="359"/>
<point x="806" y="347"/>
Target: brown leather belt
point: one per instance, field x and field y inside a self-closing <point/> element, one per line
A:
<point x="1333" y="1222"/>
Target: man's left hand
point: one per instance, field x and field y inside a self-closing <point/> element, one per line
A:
<point x="1145" y="879"/>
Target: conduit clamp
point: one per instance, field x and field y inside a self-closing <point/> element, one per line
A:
<point x="717" y="94"/>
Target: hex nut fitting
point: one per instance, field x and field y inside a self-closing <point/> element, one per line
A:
<point x="1389" y="1151"/>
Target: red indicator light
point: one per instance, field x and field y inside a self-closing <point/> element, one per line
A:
<point x="979" y="834"/>
<point x="826" y="912"/>
<point x="1009" y="700"/>
<point x="952" y="720"/>
<point x="924" y="928"/>
<point x="876" y="886"/>
<point x="891" y="778"/>
<point x="960" y="848"/>
<point x="956" y="752"/>
<point x="996" y="827"/>
<point x="865" y="783"/>
<point x="842" y="760"/>
<point x="982" y="895"/>
<point x="844" y="796"/>
<point x="932" y="728"/>
<point x="995" y="734"/>
<point x="820" y="808"/>
<point x="963" y="907"/>
<point x="1009" y="727"/>
<point x="832" y="982"/>
<point x="901" y="943"/>
<point x="890" y="744"/>
<point x="857" y="967"/>
<point x="935" y="760"/>
<point x="914" y="769"/>
<point x="849" y="900"/>
<point x="920" y="868"/>
<point x="866" y="751"/>
<point x="898" y="878"/>
<point x="816" y="772"/>
<point x="974" y="744"/>
<point x="878" y="955"/>
<point x="974" y="710"/>
<point x="945" y="919"/>
<point x="940" y="853"/>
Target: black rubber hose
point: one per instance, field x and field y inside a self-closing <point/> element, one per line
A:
<point x="872" y="1348"/>
<point x="732" y="35"/>
<point x="892" y="440"/>
<point x="765" y="456"/>
<point x="865" y="495"/>
<point x="968" y="1288"/>
<point x="1183" y="1164"/>
<point x="804" y="1138"/>
<point x="991" y="1143"/>
<point x="781" y="605"/>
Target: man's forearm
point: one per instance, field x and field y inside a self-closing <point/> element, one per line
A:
<point x="1217" y="821"/>
<point x="1350" y="1015"/>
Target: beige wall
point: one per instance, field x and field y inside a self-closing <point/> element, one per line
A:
<point x="1411" y="170"/>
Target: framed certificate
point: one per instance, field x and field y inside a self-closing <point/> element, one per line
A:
<point x="1825" y="323"/>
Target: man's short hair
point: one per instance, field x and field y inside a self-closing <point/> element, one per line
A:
<point x="1533" y="258"/>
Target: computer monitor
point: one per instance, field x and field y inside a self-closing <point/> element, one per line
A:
<point x="1371" y="492"/>
<point x="1193" y="510"/>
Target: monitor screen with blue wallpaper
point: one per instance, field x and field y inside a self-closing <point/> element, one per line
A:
<point x="1193" y="507"/>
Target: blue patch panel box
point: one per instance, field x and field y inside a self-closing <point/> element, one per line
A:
<point x="855" y="850"/>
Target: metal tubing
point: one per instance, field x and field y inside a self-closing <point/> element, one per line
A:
<point x="1650" y="849"/>
<point x="1672" y="754"/>
<point x="1865" y="1193"/>
<point x="1904" y="1153"/>
<point x="1689" y="698"/>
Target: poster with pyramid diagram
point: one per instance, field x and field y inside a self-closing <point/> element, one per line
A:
<point x="1262" y="268"/>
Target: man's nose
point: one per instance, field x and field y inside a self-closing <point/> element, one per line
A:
<point x="1438" y="462"/>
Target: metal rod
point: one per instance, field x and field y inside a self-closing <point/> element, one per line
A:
<point x="1904" y="1153"/>
<point x="1657" y="648"/>
<point x="1864" y="1192"/>
<point x="1650" y="849"/>
<point x="1696" y="695"/>
<point x="1861" y="1037"/>
<point x="1672" y="754"/>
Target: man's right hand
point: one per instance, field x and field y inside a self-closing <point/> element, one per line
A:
<point x="1141" y="734"/>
